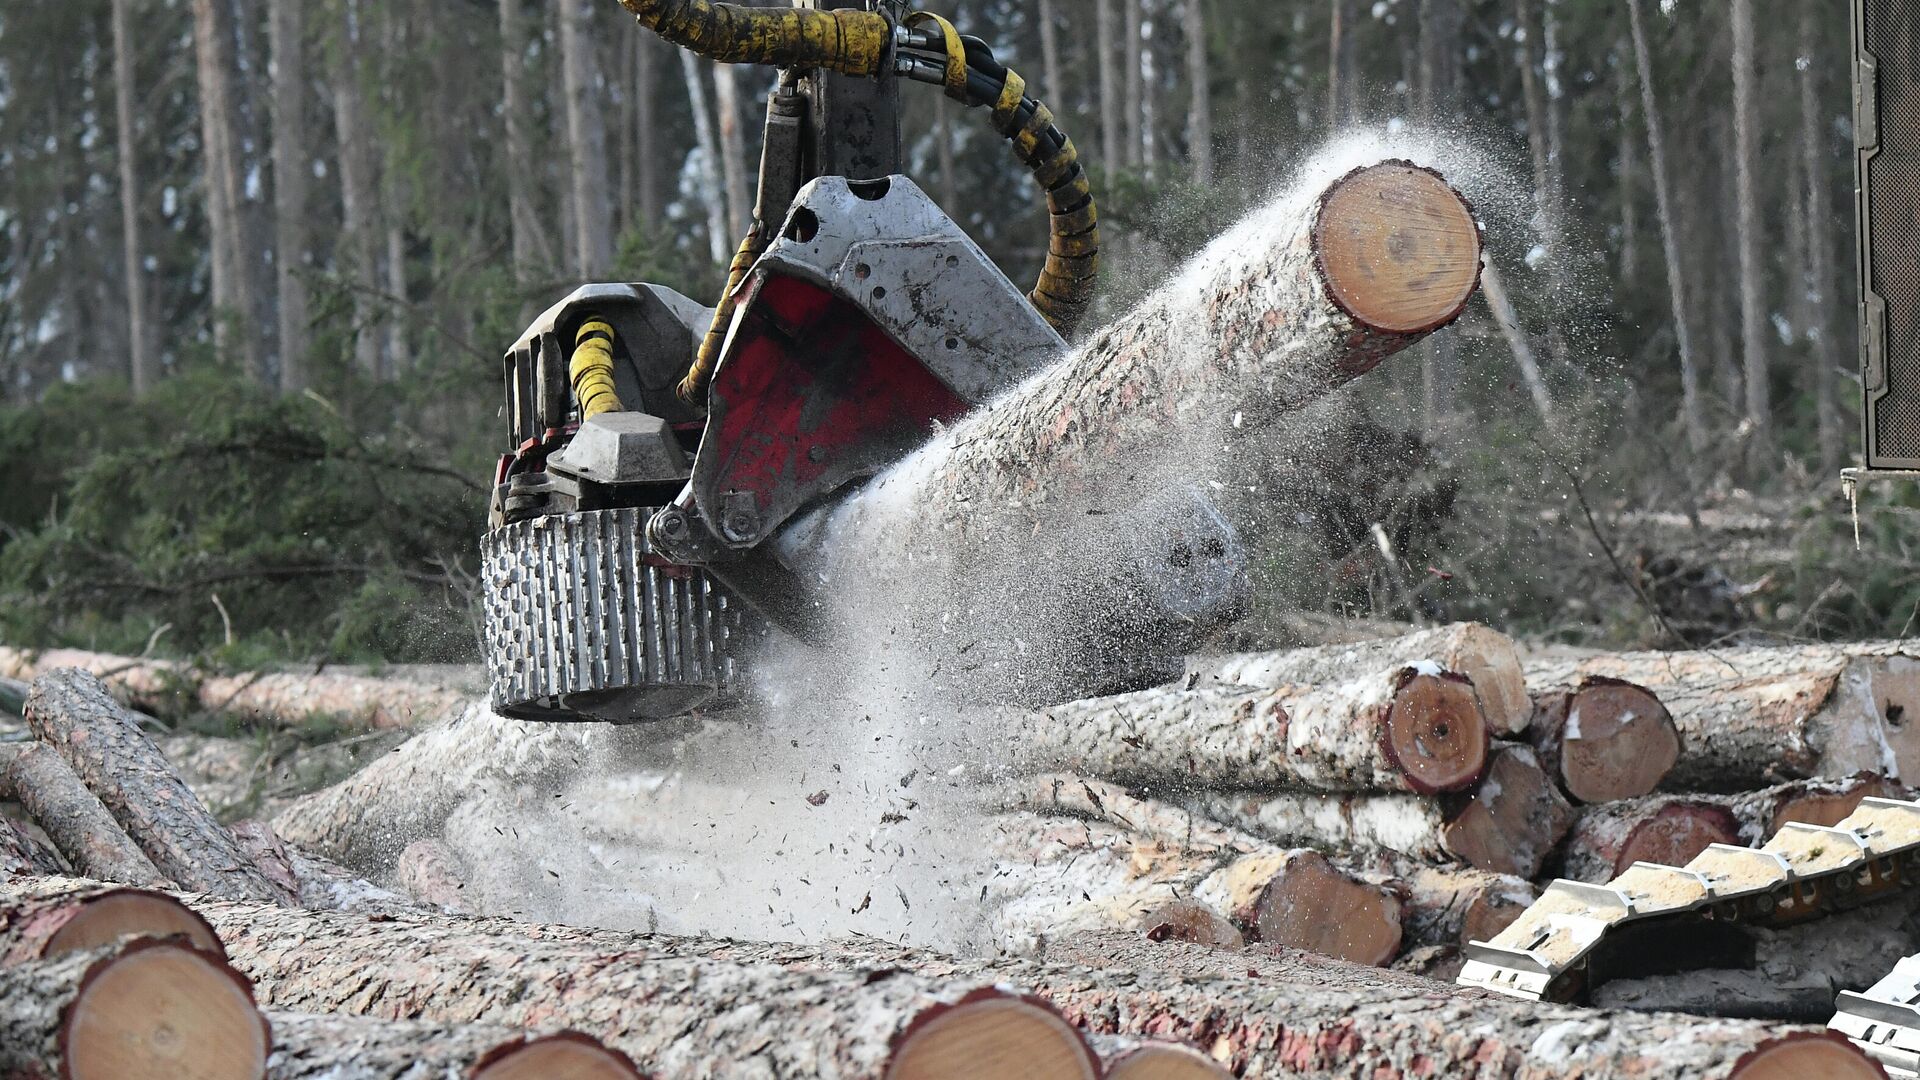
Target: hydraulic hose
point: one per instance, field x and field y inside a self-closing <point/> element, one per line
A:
<point x="693" y="388"/>
<point x="849" y="41"/>
<point x="591" y="370"/>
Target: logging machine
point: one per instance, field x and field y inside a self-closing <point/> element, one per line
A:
<point x="657" y="445"/>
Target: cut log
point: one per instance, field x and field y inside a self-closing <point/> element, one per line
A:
<point x="1812" y="802"/>
<point x="45" y="917"/>
<point x="1604" y="739"/>
<point x="426" y="871"/>
<point x="1446" y="905"/>
<point x="311" y="1047"/>
<point x="1191" y="921"/>
<point x="1485" y="656"/>
<point x="310" y="881"/>
<point x="1300" y="298"/>
<point x="1514" y="819"/>
<point x="144" y="1009"/>
<point x="73" y="713"/>
<point x="1665" y="829"/>
<point x="1158" y="1061"/>
<point x="1400" y="730"/>
<point x="1752" y="717"/>
<point x="75" y="820"/>
<point x="655" y="996"/>
<point x="21" y="852"/>
<point x="366" y="820"/>
<point x="1301" y="900"/>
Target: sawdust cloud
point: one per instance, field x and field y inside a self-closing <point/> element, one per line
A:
<point x="852" y="795"/>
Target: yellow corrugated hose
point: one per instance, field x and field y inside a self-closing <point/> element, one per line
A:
<point x="849" y="41"/>
<point x="592" y="370"/>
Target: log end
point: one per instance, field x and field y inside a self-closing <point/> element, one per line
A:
<point x="1435" y="732"/>
<point x="991" y="1034"/>
<point x="1309" y="904"/>
<point x="1832" y="807"/>
<point x="1398" y="248"/>
<point x="1191" y="921"/>
<point x="158" y="1008"/>
<point x="1489" y="659"/>
<point x="1825" y="1054"/>
<point x="1165" y="1061"/>
<point x="1515" y="818"/>
<point x="1678" y="832"/>
<point x="105" y="918"/>
<point x="1619" y="742"/>
<point x="569" y="1054"/>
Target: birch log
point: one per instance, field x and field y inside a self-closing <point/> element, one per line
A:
<point x="1300" y="298"/>
<point x="45" y="917"/>
<point x="144" y="1009"/>
<point x="1604" y="739"/>
<point x="320" y="1047"/>
<point x="73" y="713"/>
<point x="1485" y="656"/>
<point x="1665" y="829"/>
<point x="1752" y="717"/>
<point x="1406" y="729"/>
<point x="1299" y="1016"/>
<point x="75" y="819"/>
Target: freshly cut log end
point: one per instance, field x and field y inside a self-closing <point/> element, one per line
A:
<point x="1803" y="1055"/>
<point x="1435" y="732"/>
<point x="1311" y="905"/>
<point x="1398" y="248"/>
<point x="1165" y="1061"/>
<point x="1821" y="803"/>
<point x="1191" y="921"/>
<point x="1618" y="742"/>
<point x="160" y="1009"/>
<point x="135" y="913"/>
<point x="991" y="1035"/>
<point x="1607" y="841"/>
<point x="1516" y="817"/>
<point x="566" y="1055"/>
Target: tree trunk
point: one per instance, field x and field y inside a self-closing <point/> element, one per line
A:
<point x="142" y="361"/>
<point x="442" y="967"/>
<point x="720" y="238"/>
<point x="586" y="141"/>
<point x="1295" y="301"/>
<point x="651" y="197"/>
<point x="73" y="713"/>
<point x="1493" y="289"/>
<point x="1486" y="657"/>
<point x="1200" y="94"/>
<point x="46" y="917"/>
<point x="1398" y="730"/>
<point x="1340" y="95"/>
<point x="1604" y="739"/>
<point x="1822" y="289"/>
<point x="1534" y="95"/>
<point x="733" y="148"/>
<point x="292" y="169"/>
<point x="311" y="882"/>
<point x="530" y="246"/>
<point x="1692" y="415"/>
<point x="149" y="1008"/>
<point x="320" y="1047"/>
<point x="1301" y="900"/>
<point x="943" y="154"/>
<point x="1753" y="297"/>
<point x="357" y="251"/>
<point x="75" y="820"/>
<point x="1628" y="165"/>
<point x="220" y="174"/>
<point x="1112" y="140"/>
<point x="1665" y="829"/>
<point x="1051" y="71"/>
<point x="1133" y="115"/>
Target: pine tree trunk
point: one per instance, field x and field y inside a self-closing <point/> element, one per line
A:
<point x="213" y="65"/>
<point x="1199" y="89"/>
<point x="1493" y="289"/>
<point x="1133" y="118"/>
<point x="1822" y="289"/>
<point x="75" y="819"/>
<point x="1051" y="72"/>
<point x="23" y="854"/>
<point x="1340" y="94"/>
<point x="943" y="154"/>
<point x="1753" y="298"/>
<point x="733" y="148"/>
<point x="1604" y="739"/>
<point x="1112" y="140"/>
<point x="292" y="169"/>
<point x="720" y="239"/>
<point x="1629" y="168"/>
<point x="142" y="360"/>
<point x="651" y="197"/>
<point x="586" y="141"/>
<point x="1692" y="412"/>
<point x="357" y="252"/>
<point x="530" y="246"/>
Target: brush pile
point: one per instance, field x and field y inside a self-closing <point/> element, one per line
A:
<point x="1261" y="869"/>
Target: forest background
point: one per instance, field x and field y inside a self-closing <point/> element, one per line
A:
<point x="259" y="259"/>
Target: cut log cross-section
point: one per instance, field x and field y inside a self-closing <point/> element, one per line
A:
<point x="45" y="917"/>
<point x="329" y="1047"/>
<point x="1670" y="830"/>
<point x="75" y="820"/>
<point x="1486" y="657"/>
<point x="74" y="714"/>
<point x="144" y="1009"/>
<point x="1399" y="730"/>
<point x="1299" y="899"/>
<point x="1605" y="739"/>
<point x="1163" y="1061"/>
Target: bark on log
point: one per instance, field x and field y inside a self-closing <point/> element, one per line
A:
<point x="45" y="917"/>
<point x="1813" y="802"/>
<point x="1300" y="298"/>
<point x="76" y="820"/>
<point x="1444" y="905"/>
<point x="1287" y="1014"/>
<point x="310" y="881"/>
<point x="1191" y="921"/>
<point x="426" y="871"/>
<point x="1301" y="900"/>
<point x="23" y="853"/>
<point x="144" y="1009"/>
<point x="1398" y="730"/>
<point x="366" y="820"/>
<point x="1604" y="739"/>
<point x="1485" y="656"/>
<point x="319" y="1047"/>
<point x="1752" y="717"/>
<point x="73" y="713"/>
<point x="1667" y="829"/>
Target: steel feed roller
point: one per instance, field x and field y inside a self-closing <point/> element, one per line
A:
<point x="657" y="445"/>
